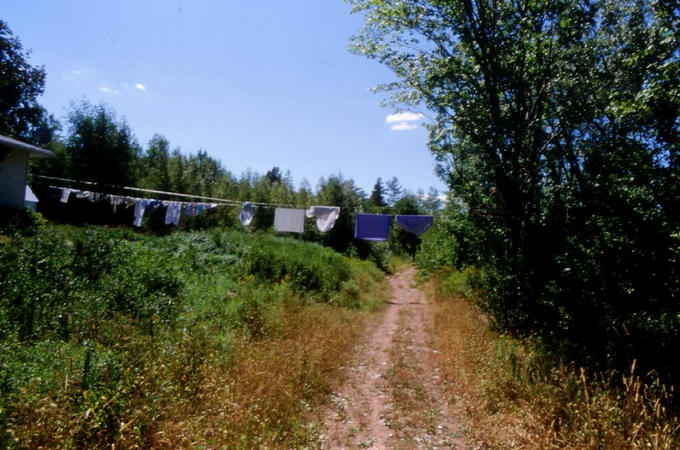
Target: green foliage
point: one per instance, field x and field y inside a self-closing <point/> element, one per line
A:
<point x="55" y="286"/>
<point x="556" y="125"/>
<point x="453" y="241"/>
<point x="377" y="198"/>
<point x="101" y="148"/>
<point x="20" y="114"/>
<point x="20" y="223"/>
<point x="110" y="325"/>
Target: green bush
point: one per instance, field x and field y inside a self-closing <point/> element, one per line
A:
<point x="23" y="222"/>
<point x="56" y="285"/>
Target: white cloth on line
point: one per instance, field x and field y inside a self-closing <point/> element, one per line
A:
<point x="326" y="216"/>
<point x="247" y="213"/>
<point x="140" y="206"/>
<point x="289" y="220"/>
<point x="65" y="194"/>
<point x="173" y="213"/>
<point x="91" y="196"/>
<point x="116" y="201"/>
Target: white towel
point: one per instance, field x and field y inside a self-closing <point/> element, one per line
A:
<point x="325" y="216"/>
<point x="289" y="220"/>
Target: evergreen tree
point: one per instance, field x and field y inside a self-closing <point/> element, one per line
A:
<point x="377" y="195"/>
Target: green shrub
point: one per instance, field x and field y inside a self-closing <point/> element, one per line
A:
<point x="23" y="222"/>
<point x="55" y="285"/>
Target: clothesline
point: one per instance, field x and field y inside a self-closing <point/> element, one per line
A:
<point x="370" y="227"/>
<point x="285" y="219"/>
<point x="174" y="194"/>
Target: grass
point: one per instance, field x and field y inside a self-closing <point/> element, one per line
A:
<point x="512" y="395"/>
<point x="113" y="338"/>
<point x="266" y="396"/>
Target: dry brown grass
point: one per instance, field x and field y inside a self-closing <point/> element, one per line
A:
<point x="264" y="398"/>
<point x="511" y="396"/>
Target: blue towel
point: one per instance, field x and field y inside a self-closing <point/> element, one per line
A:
<point x="415" y="224"/>
<point x="372" y="227"/>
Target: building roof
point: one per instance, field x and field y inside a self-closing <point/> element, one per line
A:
<point x="33" y="151"/>
<point x="29" y="196"/>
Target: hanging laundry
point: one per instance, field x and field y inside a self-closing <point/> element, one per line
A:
<point x="372" y="227"/>
<point x="414" y="223"/>
<point x="196" y="209"/>
<point x="247" y="213"/>
<point x="140" y="206"/>
<point x="191" y="209"/>
<point x="65" y="194"/>
<point x="289" y="220"/>
<point x="173" y="213"/>
<point x="325" y="216"/>
<point x="204" y="207"/>
<point x="91" y="196"/>
<point x="117" y="200"/>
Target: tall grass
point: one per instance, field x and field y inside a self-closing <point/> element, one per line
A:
<point x="511" y="393"/>
<point x="108" y="337"/>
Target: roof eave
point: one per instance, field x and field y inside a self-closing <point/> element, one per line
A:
<point x="33" y="151"/>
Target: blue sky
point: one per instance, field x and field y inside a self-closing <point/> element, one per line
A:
<point x="256" y="84"/>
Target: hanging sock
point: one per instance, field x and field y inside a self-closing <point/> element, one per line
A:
<point x="140" y="207"/>
<point x="372" y="227"/>
<point x="325" y="216"/>
<point x="173" y="213"/>
<point x="414" y="223"/>
<point x="289" y="220"/>
<point x="247" y="213"/>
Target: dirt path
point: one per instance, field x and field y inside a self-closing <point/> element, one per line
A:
<point x="391" y="397"/>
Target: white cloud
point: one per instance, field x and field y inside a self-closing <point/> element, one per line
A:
<point x="403" y="126"/>
<point x="80" y="71"/>
<point x="405" y="116"/>
<point x="140" y="86"/>
<point x="108" y="90"/>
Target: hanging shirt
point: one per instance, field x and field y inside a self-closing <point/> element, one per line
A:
<point x="289" y="220"/>
<point x="173" y="213"/>
<point x="372" y="227"/>
<point x="65" y="194"/>
<point x="325" y="216"/>
<point x="414" y="223"/>
<point x="117" y="200"/>
<point x="140" y="206"/>
<point x="247" y="213"/>
<point x="191" y="209"/>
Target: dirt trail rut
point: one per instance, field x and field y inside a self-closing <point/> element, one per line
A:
<point x="391" y="397"/>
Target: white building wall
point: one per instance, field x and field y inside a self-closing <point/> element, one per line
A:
<point x="13" y="171"/>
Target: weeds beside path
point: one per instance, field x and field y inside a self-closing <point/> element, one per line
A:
<point x="391" y="396"/>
